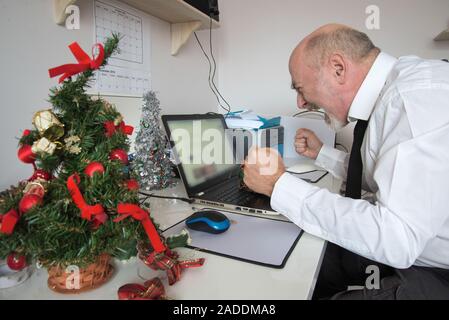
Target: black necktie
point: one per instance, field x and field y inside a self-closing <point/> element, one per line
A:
<point x="355" y="167"/>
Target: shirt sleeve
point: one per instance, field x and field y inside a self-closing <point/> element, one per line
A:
<point x="410" y="210"/>
<point x="334" y="161"/>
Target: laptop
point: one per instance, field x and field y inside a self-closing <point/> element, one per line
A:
<point x="205" y="155"/>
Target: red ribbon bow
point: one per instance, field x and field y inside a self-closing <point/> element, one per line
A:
<point x="168" y="261"/>
<point x="88" y="212"/>
<point x="8" y="221"/>
<point x="137" y="213"/>
<point x="151" y="290"/>
<point x="161" y="258"/>
<point x="111" y="128"/>
<point x="84" y="62"/>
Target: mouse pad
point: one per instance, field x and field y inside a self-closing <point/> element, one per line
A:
<point x="250" y="239"/>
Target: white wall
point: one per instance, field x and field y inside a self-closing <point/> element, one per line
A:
<point x="253" y="43"/>
<point x="31" y="43"/>
<point x="257" y="36"/>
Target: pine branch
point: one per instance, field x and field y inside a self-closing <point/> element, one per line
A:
<point x="71" y="94"/>
<point x="55" y="233"/>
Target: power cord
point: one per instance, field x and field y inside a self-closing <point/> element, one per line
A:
<point x="324" y="174"/>
<point x="151" y="195"/>
<point x="345" y="149"/>
<point x="215" y="63"/>
<point x="212" y="70"/>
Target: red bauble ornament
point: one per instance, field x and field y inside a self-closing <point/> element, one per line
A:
<point x="94" y="167"/>
<point x="40" y="174"/>
<point x="28" y="202"/>
<point x="25" y="154"/>
<point x="16" y="262"/>
<point x="132" y="184"/>
<point x="119" y="154"/>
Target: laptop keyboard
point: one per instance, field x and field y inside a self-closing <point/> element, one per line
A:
<point x="233" y="195"/>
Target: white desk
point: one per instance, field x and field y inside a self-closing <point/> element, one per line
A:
<point x="219" y="279"/>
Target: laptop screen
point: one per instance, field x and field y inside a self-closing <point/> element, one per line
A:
<point x="201" y="148"/>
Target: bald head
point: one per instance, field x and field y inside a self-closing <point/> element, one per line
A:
<point x="329" y="66"/>
<point x="324" y="41"/>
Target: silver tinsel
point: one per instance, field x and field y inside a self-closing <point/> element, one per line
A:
<point x="152" y="161"/>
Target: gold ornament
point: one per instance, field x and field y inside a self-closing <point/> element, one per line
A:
<point x="118" y="120"/>
<point x="74" y="150"/>
<point x="107" y="108"/>
<point x="72" y="144"/>
<point x="48" y="125"/>
<point x="72" y="140"/>
<point x="43" y="145"/>
<point x="37" y="186"/>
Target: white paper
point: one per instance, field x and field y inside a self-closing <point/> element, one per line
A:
<point x="128" y="73"/>
<point x="235" y="123"/>
<point x="291" y="126"/>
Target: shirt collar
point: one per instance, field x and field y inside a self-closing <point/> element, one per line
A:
<point x="365" y="99"/>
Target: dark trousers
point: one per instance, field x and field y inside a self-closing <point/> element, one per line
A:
<point x="342" y="268"/>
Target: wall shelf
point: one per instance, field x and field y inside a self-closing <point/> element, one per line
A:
<point x="443" y="36"/>
<point x="184" y="18"/>
<point x="59" y="7"/>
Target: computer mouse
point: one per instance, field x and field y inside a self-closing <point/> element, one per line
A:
<point x="208" y="221"/>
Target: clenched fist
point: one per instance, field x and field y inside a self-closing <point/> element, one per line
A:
<point x="307" y="144"/>
<point x="262" y="169"/>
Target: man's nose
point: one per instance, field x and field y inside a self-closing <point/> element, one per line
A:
<point x="302" y="104"/>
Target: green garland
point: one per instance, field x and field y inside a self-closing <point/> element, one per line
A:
<point x="54" y="232"/>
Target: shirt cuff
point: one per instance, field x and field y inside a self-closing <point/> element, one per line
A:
<point x="328" y="156"/>
<point x="289" y="193"/>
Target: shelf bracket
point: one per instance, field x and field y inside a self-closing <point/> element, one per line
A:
<point x="180" y="33"/>
<point x="59" y="7"/>
<point x="443" y="36"/>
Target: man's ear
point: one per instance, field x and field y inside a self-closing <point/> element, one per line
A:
<point x="338" y="67"/>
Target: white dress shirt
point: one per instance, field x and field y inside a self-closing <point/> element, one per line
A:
<point x="405" y="157"/>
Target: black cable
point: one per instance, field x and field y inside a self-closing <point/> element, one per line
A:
<point x="215" y="63"/>
<point x="339" y="144"/>
<point x="164" y="197"/>
<point x="325" y="173"/>
<point x="210" y="71"/>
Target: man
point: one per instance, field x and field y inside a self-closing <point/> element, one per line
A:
<point x="400" y="153"/>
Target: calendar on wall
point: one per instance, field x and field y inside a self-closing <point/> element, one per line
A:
<point x="128" y="72"/>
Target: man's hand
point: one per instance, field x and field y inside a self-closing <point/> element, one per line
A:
<point x="262" y="169"/>
<point x="307" y="144"/>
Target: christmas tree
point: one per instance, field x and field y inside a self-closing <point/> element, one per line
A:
<point x="79" y="205"/>
<point x="152" y="164"/>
